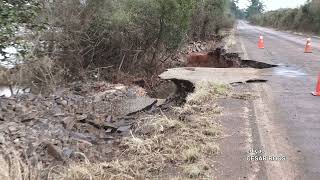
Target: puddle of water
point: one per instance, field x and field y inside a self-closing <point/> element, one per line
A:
<point x="288" y="72"/>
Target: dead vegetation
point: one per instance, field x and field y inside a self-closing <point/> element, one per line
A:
<point x="205" y="91"/>
<point x="160" y="147"/>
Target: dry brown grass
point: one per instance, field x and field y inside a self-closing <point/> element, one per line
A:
<point x="206" y="91"/>
<point x="13" y="167"/>
<point x="193" y="171"/>
<point x="159" y="143"/>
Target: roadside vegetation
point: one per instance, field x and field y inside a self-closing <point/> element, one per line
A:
<point x="62" y="41"/>
<point x="304" y="19"/>
<point x="90" y="55"/>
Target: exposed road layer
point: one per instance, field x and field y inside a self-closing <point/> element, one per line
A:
<point x="287" y="115"/>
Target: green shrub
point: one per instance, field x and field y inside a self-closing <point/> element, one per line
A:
<point x="210" y="17"/>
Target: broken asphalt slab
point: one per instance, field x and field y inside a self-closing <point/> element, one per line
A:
<point x="132" y="106"/>
<point x="216" y="75"/>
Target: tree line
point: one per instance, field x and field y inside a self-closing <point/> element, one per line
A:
<point x="305" y="18"/>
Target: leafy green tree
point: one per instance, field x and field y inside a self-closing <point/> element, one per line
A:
<point x="315" y="13"/>
<point x="304" y="18"/>
<point x="236" y="10"/>
<point x="209" y="17"/>
<point x="255" y="7"/>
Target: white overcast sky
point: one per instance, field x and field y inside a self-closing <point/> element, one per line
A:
<point x="275" y="4"/>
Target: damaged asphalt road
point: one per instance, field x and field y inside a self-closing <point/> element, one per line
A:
<point x="283" y="121"/>
<point x="216" y="75"/>
<point x="287" y="115"/>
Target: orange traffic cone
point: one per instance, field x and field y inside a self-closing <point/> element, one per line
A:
<point x="261" y="43"/>
<point x="308" y="48"/>
<point x="317" y="93"/>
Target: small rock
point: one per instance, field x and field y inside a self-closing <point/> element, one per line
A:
<point x="29" y="118"/>
<point x="59" y="114"/>
<point x="109" y="130"/>
<point x="68" y="122"/>
<point x="57" y="110"/>
<point x="109" y="119"/>
<point x="160" y="102"/>
<point x="81" y="117"/>
<point x="77" y="88"/>
<point x="67" y="152"/>
<point x="109" y="126"/>
<point x="16" y="141"/>
<point x="12" y="129"/>
<point x="54" y="152"/>
<point x="20" y="108"/>
<point x="99" y="97"/>
<point x="108" y="138"/>
<point x="124" y="129"/>
<point x="2" y="139"/>
<point x="61" y="101"/>
<point x="64" y="102"/>
<point x="120" y="87"/>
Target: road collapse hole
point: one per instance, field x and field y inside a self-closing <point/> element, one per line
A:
<point x="175" y="91"/>
<point x="219" y="58"/>
<point x="172" y="91"/>
<point x="183" y="88"/>
<point x="256" y="64"/>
